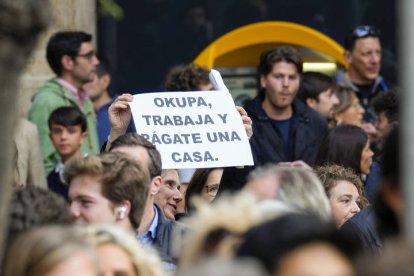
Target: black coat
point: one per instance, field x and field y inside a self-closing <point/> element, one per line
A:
<point x="307" y="131"/>
<point x="362" y="227"/>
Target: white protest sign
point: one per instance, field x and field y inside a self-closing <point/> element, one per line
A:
<point x="193" y="129"/>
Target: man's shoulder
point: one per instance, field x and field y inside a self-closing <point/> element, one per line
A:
<point x="165" y="226"/>
<point x="302" y="111"/>
<point x="342" y="79"/>
<point x="364" y="219"/>
<point x="50" y="91"/>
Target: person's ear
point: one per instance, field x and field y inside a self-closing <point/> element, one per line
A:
<point x="311" y="103"/>
<point x="67" y="62"/>
<point x="348" y="56"/>
<point x="84" y="136"/>
<point x="156" y="183"/>
<point x="105" y="81"/>
<point x="263" y="81"/>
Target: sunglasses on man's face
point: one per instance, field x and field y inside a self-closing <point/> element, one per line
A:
<point x="364" y="31"/>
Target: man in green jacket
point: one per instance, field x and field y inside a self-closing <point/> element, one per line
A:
<point x="72" y="57"/>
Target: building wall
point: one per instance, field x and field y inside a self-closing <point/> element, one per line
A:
<point x="66" y="15"/>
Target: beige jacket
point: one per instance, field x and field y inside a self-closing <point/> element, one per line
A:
<point x="29" y="169"/>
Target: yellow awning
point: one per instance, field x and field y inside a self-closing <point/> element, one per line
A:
<point x="242" y="47"/>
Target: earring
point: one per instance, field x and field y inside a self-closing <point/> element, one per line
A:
<point x="121" y="212"/>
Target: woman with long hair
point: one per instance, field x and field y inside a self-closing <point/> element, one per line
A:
<point x="347" y="146"/>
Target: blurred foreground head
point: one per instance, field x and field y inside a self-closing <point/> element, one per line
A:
<point x="51" y="250"/>
<point x="298" y="244"/>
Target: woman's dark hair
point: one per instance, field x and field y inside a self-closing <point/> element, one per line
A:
<point x="271" y="241"/>
<point x="196" y="185"/>
<point x="342" y="145"/>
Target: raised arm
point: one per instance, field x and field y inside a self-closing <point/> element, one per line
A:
<point x="119" y="114"/>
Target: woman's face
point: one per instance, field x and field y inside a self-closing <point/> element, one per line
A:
<point x="343" y="198"/>
<point x="315" y="259"/>
<point x="352" y="115"/>
<point x="366" y="159"/>
<point x="114" y="261"/>
<point x="212" y="185"/>
<point x="80" y="263"/>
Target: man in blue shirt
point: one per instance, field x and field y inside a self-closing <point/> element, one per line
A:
<point x="98" y="92"/>
<point x="155" y="229"/>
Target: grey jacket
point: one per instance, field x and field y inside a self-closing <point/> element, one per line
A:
<point x="166" y="239"/>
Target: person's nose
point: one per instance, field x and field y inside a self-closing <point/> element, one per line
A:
<point x="64" y="135"/>
<point x="376" y="58"/>
<point x="177" y="196"/>
<point x="74" y="210"/>
<point x="95" y="60"/>
<point x="355" y="208"/>
<point x="371" y="153"/>
<point x="334" y="99"/>
<point x="285" y="81"/>
<point x="361" y="109"/>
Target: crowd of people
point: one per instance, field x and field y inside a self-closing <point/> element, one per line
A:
<point x="323" y="196"/>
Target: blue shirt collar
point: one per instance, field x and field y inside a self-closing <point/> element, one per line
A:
<point x="151" y="234"/>
<point x="153" y="228"/>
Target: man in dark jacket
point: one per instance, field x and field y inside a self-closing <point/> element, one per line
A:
<point x="363" y="54"/>
<point x="285" y="130"/>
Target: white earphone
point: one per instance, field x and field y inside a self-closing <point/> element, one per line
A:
<point x="121" y="212"/>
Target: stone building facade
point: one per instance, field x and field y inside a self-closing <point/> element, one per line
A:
<point x="66" y="15"/>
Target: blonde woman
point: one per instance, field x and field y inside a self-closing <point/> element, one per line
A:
<point x="51" y="250"/>
<point x="349" y="111"/>
<point x="297" y="187"/>
<point x="119" y="253"/>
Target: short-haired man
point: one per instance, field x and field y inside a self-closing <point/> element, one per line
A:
<point x="71" y="56"/>
<point x="285" y="129"/>
<point x="110" y="188"/>
<point x="169" y="195"/>
<point x="155" y="229"/>
<point x="386" y="107"/>
<point x="363" y="54"/>
<point x="98" y="92"/>
<point x="317" y="91"/>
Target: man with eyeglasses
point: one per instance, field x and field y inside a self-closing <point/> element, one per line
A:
<point x="71" y="56"/>
<point x="363" y="54"/>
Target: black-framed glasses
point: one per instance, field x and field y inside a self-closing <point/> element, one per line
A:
<point x="89" y="55"/>
<point x="365" y="31"/>
<point x="212" y="189"/>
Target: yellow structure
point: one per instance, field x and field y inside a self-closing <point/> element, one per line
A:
<point x="242" y="47"/>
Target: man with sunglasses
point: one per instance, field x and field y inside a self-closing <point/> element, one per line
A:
<point x="363" y="54"/>
<point x="71" y="56"/>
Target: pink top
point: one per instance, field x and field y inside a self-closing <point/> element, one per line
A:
<point x="80" y="94"/>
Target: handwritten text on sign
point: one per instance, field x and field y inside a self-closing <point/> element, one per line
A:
<point x="193" y="129"/>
